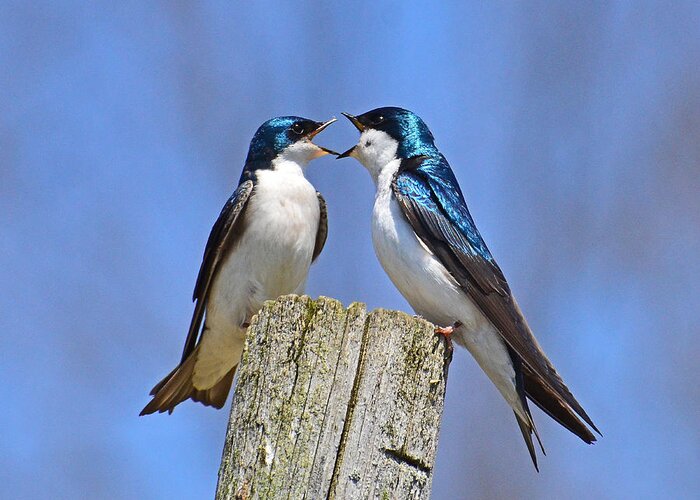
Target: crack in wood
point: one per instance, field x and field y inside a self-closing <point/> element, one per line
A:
<point x="403" y="457"/>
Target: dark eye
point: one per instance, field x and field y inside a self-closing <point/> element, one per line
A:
<point x="298" y="128"/>
<point x="376" y="119"/>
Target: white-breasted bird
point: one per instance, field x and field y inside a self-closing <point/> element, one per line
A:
<point x="268" y="233"/>
<point x="428" y="244"/>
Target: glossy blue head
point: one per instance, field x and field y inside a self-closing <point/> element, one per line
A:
<point x="277" y="135"/>
<point x="413" y="137"/>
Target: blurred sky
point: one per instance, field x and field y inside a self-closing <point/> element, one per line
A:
<point x="573" y="127"/>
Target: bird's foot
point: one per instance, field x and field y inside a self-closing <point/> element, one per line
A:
<point x="447" y="331"/>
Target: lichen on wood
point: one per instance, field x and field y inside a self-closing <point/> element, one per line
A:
<point x="334" y="403"/>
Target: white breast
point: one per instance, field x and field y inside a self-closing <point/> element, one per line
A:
<point x="271" y="258"/>
<point x="431" y="290"/>
<point x="274" y="253"/>
<point x="417" y="273"/>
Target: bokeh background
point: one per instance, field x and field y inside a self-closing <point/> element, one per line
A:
<point x="573" y="127"/>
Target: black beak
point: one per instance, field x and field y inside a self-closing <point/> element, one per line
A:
<point x="329" y="151"/>
<point x="358" y="126"/>
<point x="321" y="126"/>
<point x="314" y="133"/>
<point x="354" y="121"/>
<point x="346" y="154"/>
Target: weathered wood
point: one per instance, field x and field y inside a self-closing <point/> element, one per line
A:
<point x="334" y="403"/>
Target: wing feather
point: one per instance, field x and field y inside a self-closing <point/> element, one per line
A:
<point x="223" y="234"/>
<point x="322" y="232"/>
<point x="431" y="200"/>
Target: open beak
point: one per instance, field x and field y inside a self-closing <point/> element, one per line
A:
<point x="347" y="153"/>
<point x="354" y="121"/>
<point x="358" y="126"/>
<point x="321" y="127"/>
<point x="314" y="133"/>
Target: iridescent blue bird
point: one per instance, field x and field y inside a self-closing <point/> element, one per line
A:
<point x="261" y="246"/>
<point x="428" y="244"/>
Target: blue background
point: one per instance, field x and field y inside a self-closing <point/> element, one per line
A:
<point x="573" y="127"/>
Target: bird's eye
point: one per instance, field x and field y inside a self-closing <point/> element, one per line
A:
<point x="376" y="119"/>
<point x="298" y="128"/>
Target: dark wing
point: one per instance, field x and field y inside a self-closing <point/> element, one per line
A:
<point x="322" y="232"/>
<point x="431" y="200"/>
<point x="222" y="235"/>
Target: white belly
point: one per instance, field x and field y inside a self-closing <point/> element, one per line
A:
<point x="271" y="258"/>
<point x="434" y="294"/>
<point x="416" y="272"/>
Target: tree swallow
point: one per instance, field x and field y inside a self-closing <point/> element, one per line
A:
<point x="268" y="233"/>
<point x="429" y="246"/>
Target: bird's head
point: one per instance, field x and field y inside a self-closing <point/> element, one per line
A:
<point x="387" y="134"/>
<point x="287" y="138"/>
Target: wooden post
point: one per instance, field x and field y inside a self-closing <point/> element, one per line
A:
<point x="334" y="403"/>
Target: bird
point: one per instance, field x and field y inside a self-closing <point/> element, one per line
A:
<point x="261" y="246"/>
<point x="426" y="241"/>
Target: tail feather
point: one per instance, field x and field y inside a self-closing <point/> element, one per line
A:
<point x="216" y="396"/>
<point x="526" y="428"/>
<point x="160" y="384"/>
<point x="554" y="406"/>
<point x="177" y="387"/>
<point x="525" y="422"/>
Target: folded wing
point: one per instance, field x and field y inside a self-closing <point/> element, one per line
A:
<point x="431" y="200"/>
<point x="224" y="233"/>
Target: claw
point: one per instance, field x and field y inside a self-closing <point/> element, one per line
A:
<point x="444" y="330"/>
<point x="447" y="331"/>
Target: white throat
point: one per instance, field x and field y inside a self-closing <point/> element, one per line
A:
<point x="296" y="157"/>
<point x="288" y="166"/>
<point x="376" y="150"/>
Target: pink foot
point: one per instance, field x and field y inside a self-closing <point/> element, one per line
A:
<point x="447" y="331"/>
